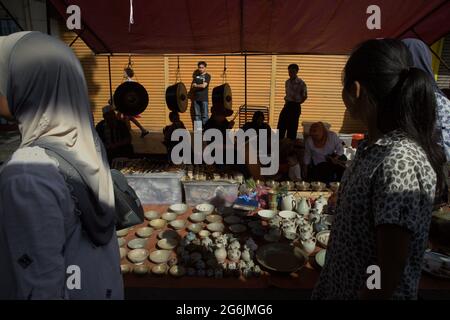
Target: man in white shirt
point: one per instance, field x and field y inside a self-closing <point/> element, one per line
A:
<point x="296" y="94"/>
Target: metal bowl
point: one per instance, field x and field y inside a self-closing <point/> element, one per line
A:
<point x="318" y="186"/>
<point x="302" y="186"/>
<point x="281" y="257"/>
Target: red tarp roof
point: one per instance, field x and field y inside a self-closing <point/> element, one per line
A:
<point x="264" y="26"/>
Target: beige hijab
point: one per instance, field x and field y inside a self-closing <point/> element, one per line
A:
<point x="47" y="94"/>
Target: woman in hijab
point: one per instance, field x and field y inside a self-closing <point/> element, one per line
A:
<point x="48" y="248"/>
<point x="421" y="57"/>
<point x="324" y="155"/>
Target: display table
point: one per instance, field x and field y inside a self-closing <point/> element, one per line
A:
<point x="304" y="279"/>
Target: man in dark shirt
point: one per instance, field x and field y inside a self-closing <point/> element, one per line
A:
<point x="200" y="83"/>
<point x="115" y="135"/>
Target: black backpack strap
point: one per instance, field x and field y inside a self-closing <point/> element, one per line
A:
<point x="98" y="225"/>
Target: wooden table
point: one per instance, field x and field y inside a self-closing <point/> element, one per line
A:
<point x="294" y="285"/>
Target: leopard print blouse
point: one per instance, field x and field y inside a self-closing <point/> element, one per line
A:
<point x="389" y="182"/>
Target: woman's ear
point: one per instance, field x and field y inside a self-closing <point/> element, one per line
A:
<point x="357" y="89"/>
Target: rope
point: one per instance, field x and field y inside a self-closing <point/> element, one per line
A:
<point x="224" y="74"/>
<point x="177" y="74"/>
<point x="131" y="16"/>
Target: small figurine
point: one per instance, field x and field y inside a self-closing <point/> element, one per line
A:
<point x="201" y="272"/>
<point x="191" y="272"/>
<point x="210" y="273"/>
<point x="200" y="265"/>
<point x="234" y="255"/>
<point x="218" y="273"/>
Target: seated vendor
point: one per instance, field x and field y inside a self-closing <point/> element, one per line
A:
<point x="174" y="117"/>
<point x="257" y="123"/>
<point x="115" y="135"/>
<point x="324" y="158"/>
<point x="218" y="120"/>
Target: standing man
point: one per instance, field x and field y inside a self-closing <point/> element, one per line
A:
<point x="296" y="94"/>
<point x="200" y="83"/>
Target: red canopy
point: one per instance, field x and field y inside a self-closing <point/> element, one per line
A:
<point x="264" y="26"/>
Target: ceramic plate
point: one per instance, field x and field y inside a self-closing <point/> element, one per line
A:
<point x="232" y="219"/>
<point x="237" y="228"/>
<point x="281" y="257"/>
<point x="320" y="257"/>
<point x="166" y="234"/>
<point x="437" y="264"/>
<point x="323" y="237"/>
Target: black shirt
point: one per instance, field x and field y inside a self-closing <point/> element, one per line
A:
<point x="201" y="94"/>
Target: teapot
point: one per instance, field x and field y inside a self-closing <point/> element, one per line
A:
<point x="320" y="203"/>
<point x="303" y="207"/>
<point x="288" y="202"/>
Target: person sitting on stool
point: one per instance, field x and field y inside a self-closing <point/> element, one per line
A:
<point x="324" y="158"/>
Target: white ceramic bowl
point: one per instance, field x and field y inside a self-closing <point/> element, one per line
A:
<point x="195" y="227"/>
<point x="151" y="215"/>
<point x="158" y="223"/>
<point x="287" y="214"/>
<point x="197" y="217"/>
<point x="179" y="208"/>
<point x="169" y="216"/>
<point x="137" y="243"/>
<point x="137" y="256"/>
<point x="123" y="232"/>
<point x="121" y="241"/>
<point x="205" y="208"/>
<point x="177" y="271"/>
<point x="160" y="256"/>
<point x="214" y="218"/>
<point x="141" y="269"/>
<point x="266" y="214"/>
<point x="167" y="243"/>
<point x="160" y="269"/>
<point x="123" y="253"/>
<point x="177" y="224"/>
<point x="168" y="234"/>
<point x="144" y="232"/>
<point x="216" y="226"/>
<point x="125" y="268"/>
<point x="204" y="233"/>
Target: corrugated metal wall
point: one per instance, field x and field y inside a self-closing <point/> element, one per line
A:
<point x="266" y="77"/>
<point x="443" y="79"/>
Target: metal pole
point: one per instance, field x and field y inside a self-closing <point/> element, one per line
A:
<point x="245" y="85"/>
<point x="10" y="15"/>
<point x="49" y="27"/>
<point x="110" y="81"/>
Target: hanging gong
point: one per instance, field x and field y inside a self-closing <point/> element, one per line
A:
<point x="131" y="98"/>
<point x="221" y="96"/>
<point x="176" y="97"/>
